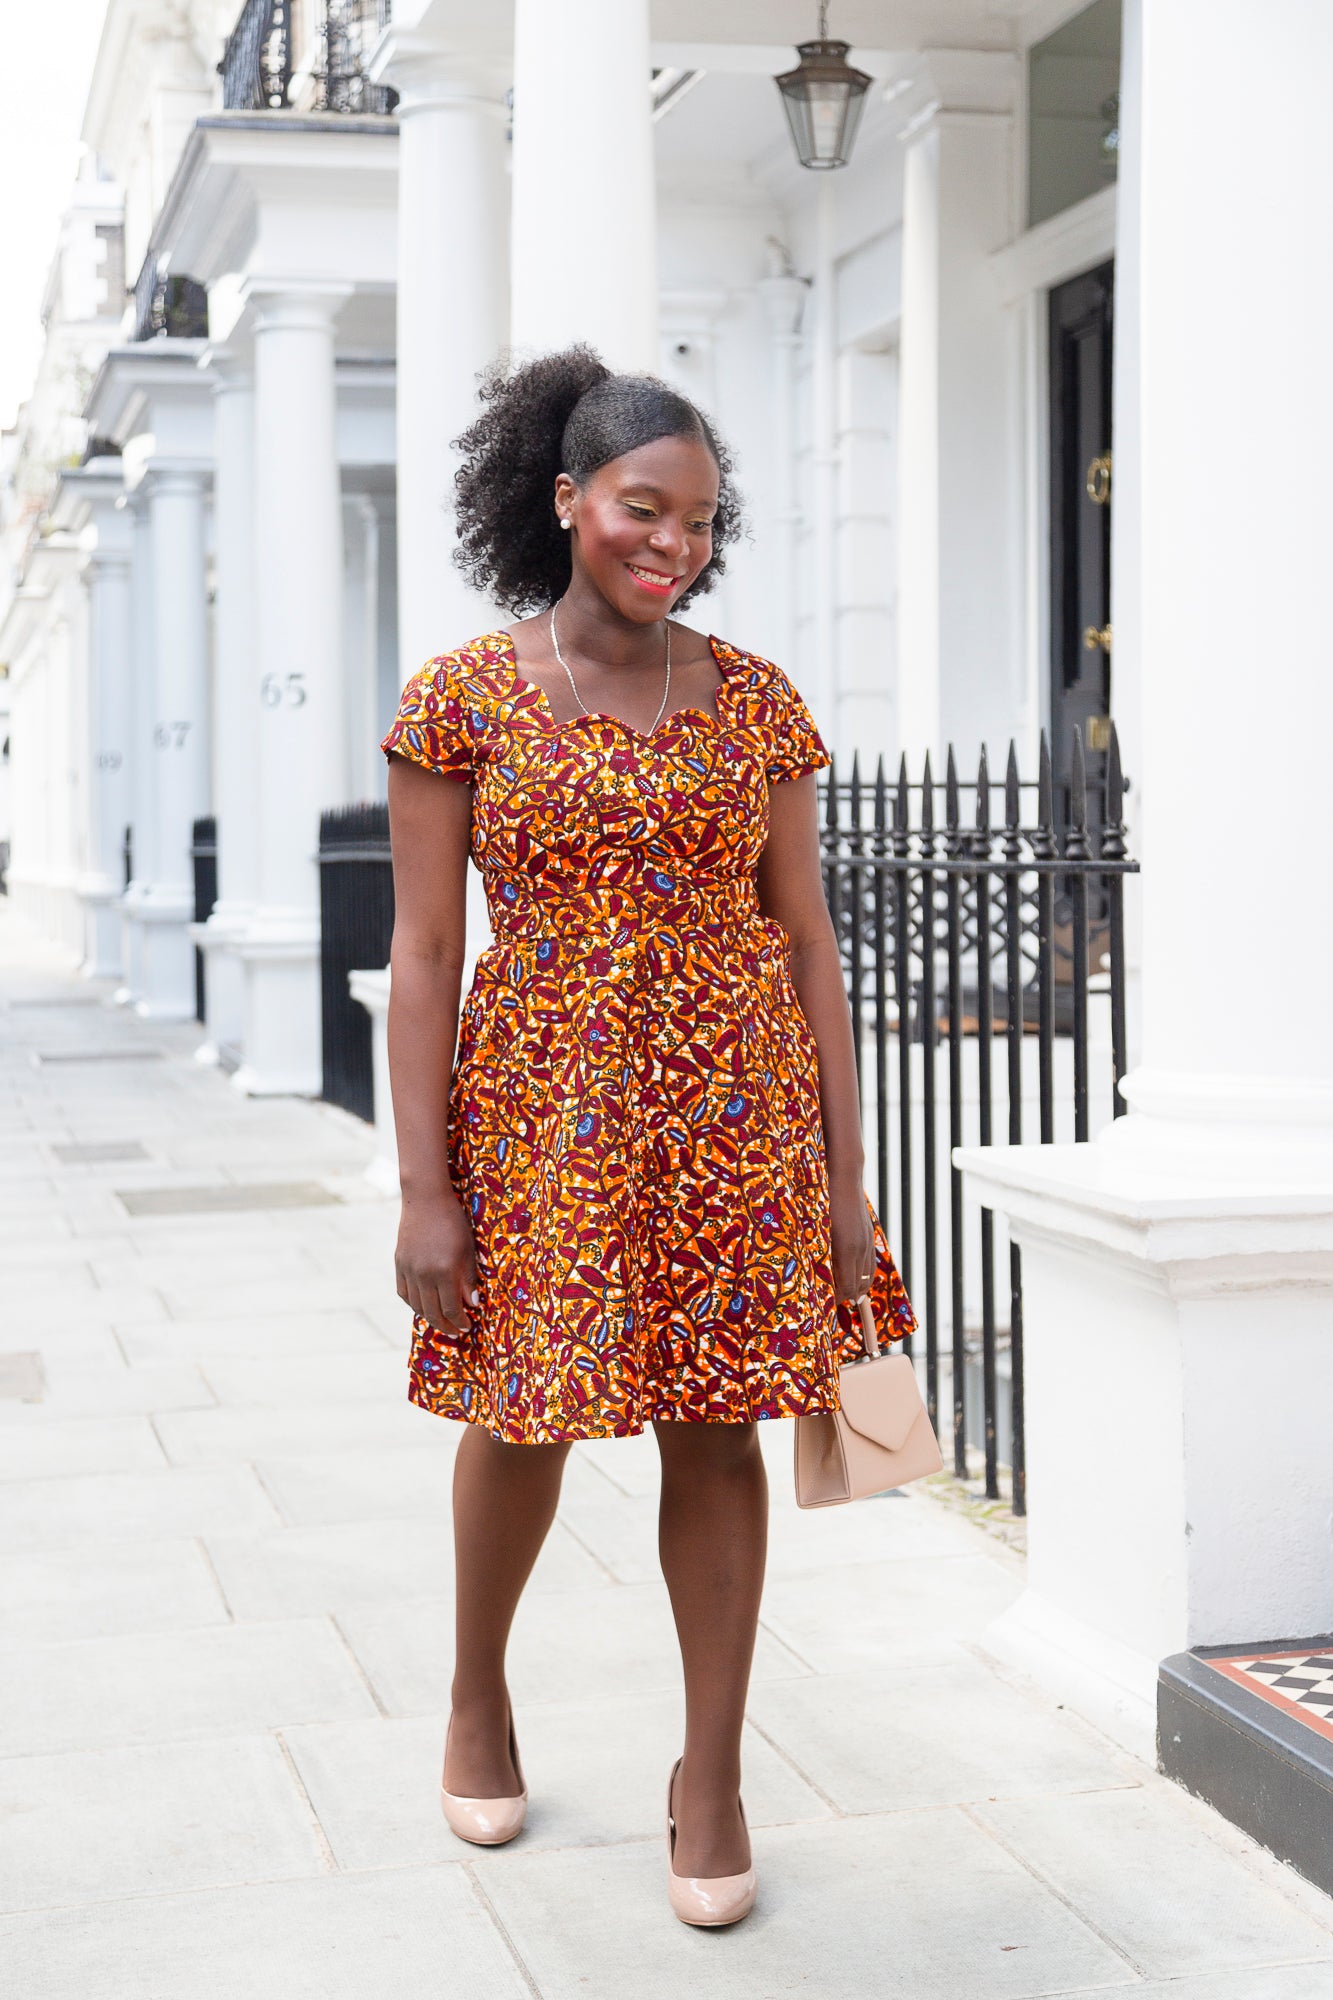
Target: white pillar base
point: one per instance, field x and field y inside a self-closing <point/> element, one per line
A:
<point x="131" y="946"/>
<point x="102" y="927"/>
<point x="371" y="989"/>
<point x="1112" y="1686"/>
<point x="224" y="982"/>
<point x="283" y="1034"/>
<point x="1178" y="1366"/>
<point x="166" y="991"/>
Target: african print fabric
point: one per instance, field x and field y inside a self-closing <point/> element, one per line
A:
<point x="634" y="1114"/>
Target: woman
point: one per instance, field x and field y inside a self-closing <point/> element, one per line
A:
<point x="636" y="1197"/>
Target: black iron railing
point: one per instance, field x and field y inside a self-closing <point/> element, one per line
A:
<point x="204" y="856"/>
<point x="264" y="69"/>
<point x="987" y="938"/>
<point x="356" y="929"/>
<point x="164" y="304"/>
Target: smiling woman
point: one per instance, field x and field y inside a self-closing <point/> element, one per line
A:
<point x="635" y="1196"/>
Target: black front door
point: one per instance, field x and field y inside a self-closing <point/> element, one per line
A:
<point x="1080" y="389"/>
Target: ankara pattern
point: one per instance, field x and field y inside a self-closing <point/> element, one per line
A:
<point x="634" y="1114"/>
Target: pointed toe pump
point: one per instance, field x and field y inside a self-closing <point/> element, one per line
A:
<point x="706" y="1900"/>
<point x="486" y="1822"/>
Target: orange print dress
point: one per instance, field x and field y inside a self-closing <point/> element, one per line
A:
<point x="634" y="1118"/>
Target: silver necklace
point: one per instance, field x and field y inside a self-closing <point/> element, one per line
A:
<point x="666" y="692"/>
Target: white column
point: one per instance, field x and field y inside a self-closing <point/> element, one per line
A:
<point x="583" y="127"/>
<point x="178" y="747"/>
<point x="297" y="681"/>
<point x="783" y="297"/>
<point x="140" y="708"/>
<point x="453" y="317"/>
<point x="108" y="724"/>
<point x="235" y="708"/>
<point x="960" y="544"/>
<point x="1178" y="1273"/>
<point x="361" y="617"/>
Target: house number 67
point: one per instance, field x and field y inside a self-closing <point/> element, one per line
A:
<point x="279" y="690"/>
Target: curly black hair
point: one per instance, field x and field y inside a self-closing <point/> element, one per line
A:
<point x="569" y="413"/>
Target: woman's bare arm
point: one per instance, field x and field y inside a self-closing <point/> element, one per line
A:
<point x="429" y="820"/>
<point x="791" y="889"/>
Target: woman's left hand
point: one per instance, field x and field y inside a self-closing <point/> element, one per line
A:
<point x="853" y="1242"/>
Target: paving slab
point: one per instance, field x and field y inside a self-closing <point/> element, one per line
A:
<point x="132" y="1506"/>
<point x="1133" y="1863"/>
<point x="281" y="1383"/>
<point x="310" y="1570"/>
<point x="80" y="1591"/>
<point x="568" y="1645"/>
<point x="158" y="1686"/>
<point x="220" y="1437"/>
<point x="1273" y="1982"/>
<point x="150" y="1819"/>
<point x="267" y="1336"/>
<point x="375" y="1785"/>
<point x="422" y="1932"/>
<point x="841" y="1619"/>
<point x="78" y="1445"/>
<point x="413" y="1483"/>
<point x="77" y="1388"/>
<point x="927" y="1908"/>
<point x="939" y="1729"/>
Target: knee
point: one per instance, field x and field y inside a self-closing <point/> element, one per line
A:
<point x="692" y="1449"/>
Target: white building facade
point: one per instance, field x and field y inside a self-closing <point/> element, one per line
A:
<point x="983" y="431"/>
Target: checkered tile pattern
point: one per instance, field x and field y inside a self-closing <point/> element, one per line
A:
<point x="1300" y="1683"/>
<point x="1303" y="1678"/>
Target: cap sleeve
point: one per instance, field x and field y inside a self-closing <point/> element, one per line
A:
<point x="795" y="746"/>
<point x="433" y="724"/>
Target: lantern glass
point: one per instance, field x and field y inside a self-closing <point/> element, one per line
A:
<point x="823" y="98"/>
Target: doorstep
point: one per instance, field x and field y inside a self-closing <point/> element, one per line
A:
<point x="1250" y="1729"/>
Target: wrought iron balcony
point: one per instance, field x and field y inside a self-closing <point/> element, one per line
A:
<point x="176" y="306"/>
<point x="305" y="55"/>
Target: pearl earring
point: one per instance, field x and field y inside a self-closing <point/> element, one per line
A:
<point x="564" y="520"/>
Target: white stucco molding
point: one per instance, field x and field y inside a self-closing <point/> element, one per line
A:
<point x="1190" y="1240"/>
<point x="1077" y="239"/>
<point x="953" y="83"/>
<point x="154" y="388"/>
<point x="283" y="194"/>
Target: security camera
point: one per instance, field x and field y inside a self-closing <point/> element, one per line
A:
<point x="682" y="348"/>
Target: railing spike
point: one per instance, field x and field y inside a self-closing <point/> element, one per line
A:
<point x="901" y="807"/>
<point x="927" y="798"/>
<point x="831" y="794"/>
<point x="951" y="807"/>
<point x="1113" y="833"/>
<point x="881" y="796"/>
<point x="1042" y="837"/>
<point x="1076" y="843"/>
<point x="983" y="792"/>
<point x="1013" y="806"/>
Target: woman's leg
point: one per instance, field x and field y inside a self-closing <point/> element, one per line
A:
<point x="504" y="1502"/>
<point x="712" y="1536"/>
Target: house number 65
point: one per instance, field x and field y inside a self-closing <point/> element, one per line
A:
<point x="277" y="690"/>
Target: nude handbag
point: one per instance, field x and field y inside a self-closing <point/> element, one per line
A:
<point x="881" y="1436"/>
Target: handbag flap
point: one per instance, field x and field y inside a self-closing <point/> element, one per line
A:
<point x="880" y="1399"/>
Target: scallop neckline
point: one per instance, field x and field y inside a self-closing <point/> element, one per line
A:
<point x="536" y="696"/>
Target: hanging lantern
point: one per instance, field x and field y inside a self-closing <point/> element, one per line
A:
<point x="823" y="99"/>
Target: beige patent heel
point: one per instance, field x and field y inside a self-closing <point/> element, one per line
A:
<point x="706" y="1900"/>
<point x="486" y="1822"/>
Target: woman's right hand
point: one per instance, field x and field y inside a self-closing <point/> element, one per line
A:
<point x="436" y="1262"/>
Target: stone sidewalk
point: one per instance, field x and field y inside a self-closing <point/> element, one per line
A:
<point x="224" y="1577"/>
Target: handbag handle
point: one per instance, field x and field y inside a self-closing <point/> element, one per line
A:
<point x="869" y="1331"/>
